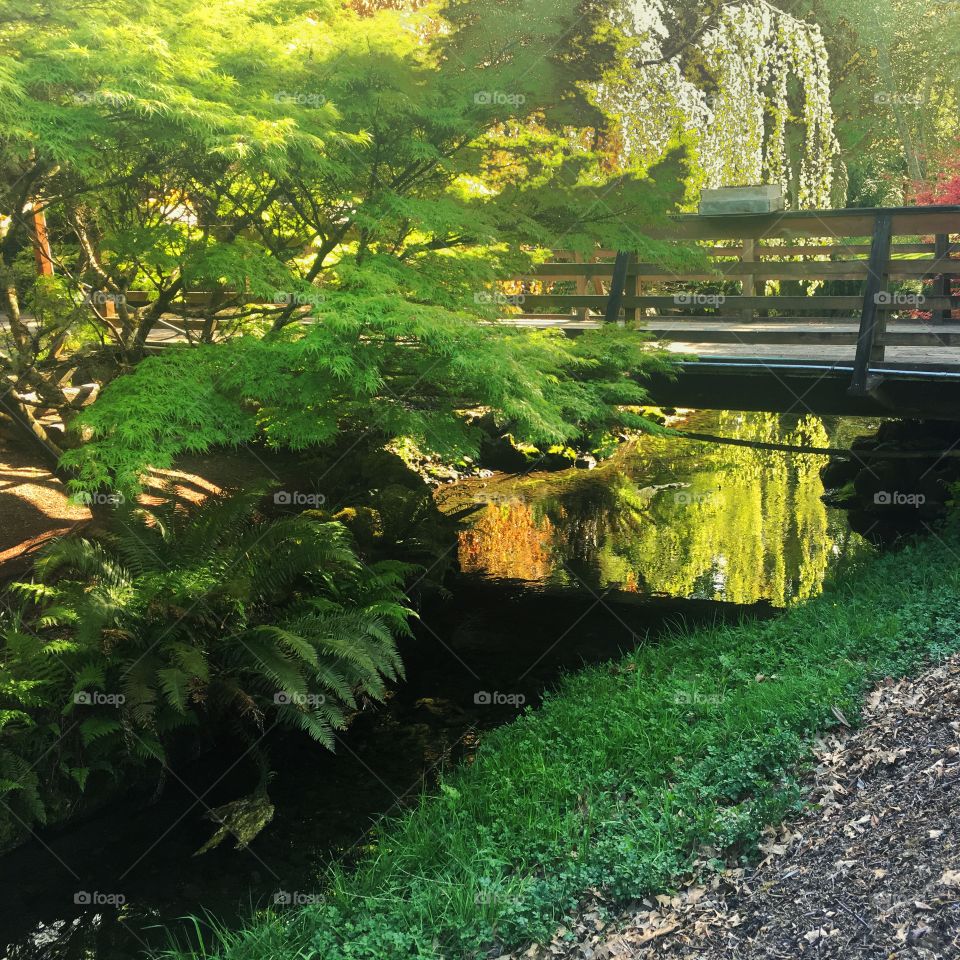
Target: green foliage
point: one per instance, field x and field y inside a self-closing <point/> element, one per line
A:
<point x="196" y="625"/>
<point x="624" y="772"/>
<point x="897" y="124"/>
<point x="374" y="175"/>
<point x="359" y="371"/>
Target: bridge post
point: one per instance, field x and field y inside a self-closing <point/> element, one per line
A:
<point x="617" y="286"/>
<point x="638" y="292"/>
<point x="583" y="312"/>
<point x="943" y="286"/>
<point x="748" y="286"/>
<point x="872" y="319"/>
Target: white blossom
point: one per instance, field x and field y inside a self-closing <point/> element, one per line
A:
<point x="739" y="133"/>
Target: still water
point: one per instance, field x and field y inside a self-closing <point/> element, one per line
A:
<point x="671" y="517"/>
<point x="558" y="570"/>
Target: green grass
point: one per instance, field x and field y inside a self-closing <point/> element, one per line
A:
<point x="624" y="771"/>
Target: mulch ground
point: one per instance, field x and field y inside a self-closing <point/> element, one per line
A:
<point x="871" y="869"/>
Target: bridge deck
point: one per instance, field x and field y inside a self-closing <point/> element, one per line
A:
<point x="824" y="339"/>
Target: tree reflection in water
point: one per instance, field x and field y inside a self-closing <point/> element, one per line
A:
<point x="673" y="517"/>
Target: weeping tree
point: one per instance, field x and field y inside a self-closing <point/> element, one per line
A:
<point x="746" y="84"/>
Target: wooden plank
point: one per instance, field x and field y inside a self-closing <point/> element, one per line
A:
<point x="194" y="326"/>
<point x="539" y="316"/>
<point x="617" y="287"/>
<point x="928" y="304"/>
<point x="712" y="335"/>
<point x="193" y="298"/>
<point x="928" y="338"/>
<point x="922" y="268"/>
<point x="542" y="323"/>
<point x="871" y="322"/>
<point x="734" y="250"/>
<point x="944" y="285"/>
<point x="905" y="221"/>
<point x="662" y="319"/>
<point x="757" y="270"/>
<point x="848" y="249"/>
<point x="809" y="270"/>
<point x="733" y="303"/>
<point x="748" y="282"/>
<point x="567" y="271"/>
<point x="636" y="287"/>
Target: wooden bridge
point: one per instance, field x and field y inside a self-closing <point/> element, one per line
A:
<point x="840" y="311"/>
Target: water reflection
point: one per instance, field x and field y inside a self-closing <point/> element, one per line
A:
<point x="672" y="517"/>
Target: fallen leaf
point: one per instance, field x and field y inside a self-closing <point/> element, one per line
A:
<point x="838" y="713"/>
<point x="663" y="931"/>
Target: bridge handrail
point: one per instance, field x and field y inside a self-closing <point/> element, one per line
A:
<point x="849" y="222"/>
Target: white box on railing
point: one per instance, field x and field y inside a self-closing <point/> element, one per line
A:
<point x="766" y="198"/>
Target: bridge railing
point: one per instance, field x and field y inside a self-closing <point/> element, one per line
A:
<point x="811" y="277"/>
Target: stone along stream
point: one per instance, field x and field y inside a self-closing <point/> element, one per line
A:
<point x="557" y="570"/>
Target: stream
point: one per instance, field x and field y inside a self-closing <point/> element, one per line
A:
<point x="557" y="570"/>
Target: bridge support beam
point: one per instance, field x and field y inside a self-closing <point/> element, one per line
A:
<point x="873" y="319"/>
<point x="618" y="286"/>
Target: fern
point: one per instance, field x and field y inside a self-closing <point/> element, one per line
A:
<point x="175" y="625"/>
<point x="97" y="727"/>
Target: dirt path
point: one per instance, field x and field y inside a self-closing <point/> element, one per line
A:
<point x="35" y="506"/>
<point x="871" y="870"/>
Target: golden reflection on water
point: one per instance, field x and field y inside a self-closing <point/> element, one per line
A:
<point x="510" y="541"/>
<point x="673" y="517"/>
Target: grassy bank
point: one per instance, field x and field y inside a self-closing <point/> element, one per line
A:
<point x="622" y="772"/>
